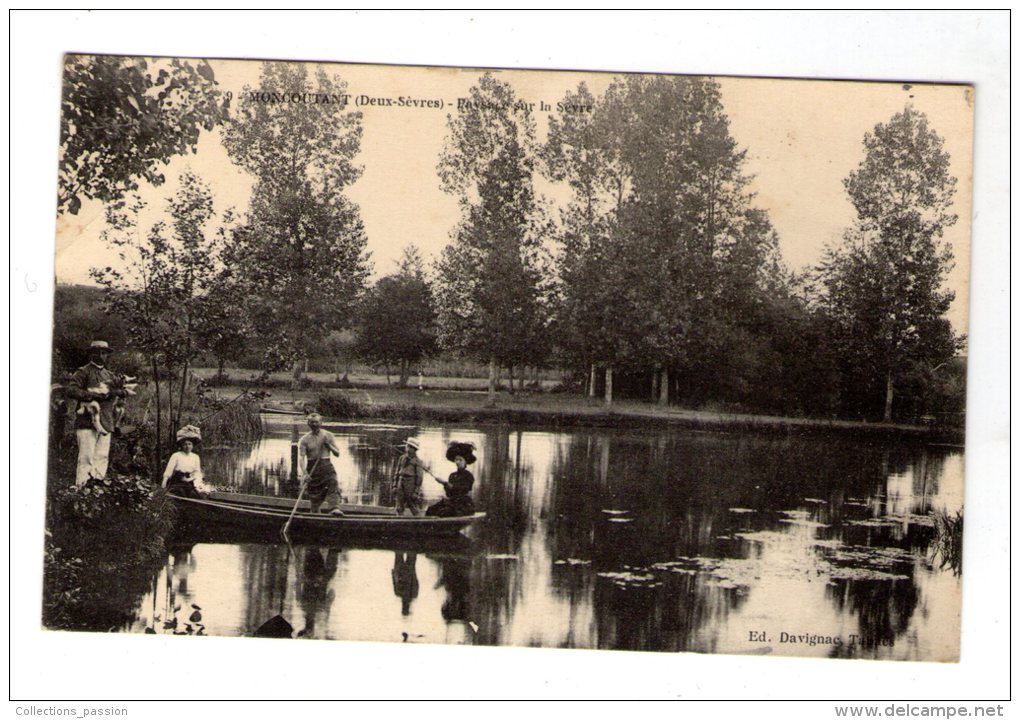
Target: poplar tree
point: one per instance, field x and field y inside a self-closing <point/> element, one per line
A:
<point x="883" y="289"/>
<point x="665" y="252"/>
<point x="489" y="289"/>
<point x="300" y="258"/>
<point x="582" y="150"/>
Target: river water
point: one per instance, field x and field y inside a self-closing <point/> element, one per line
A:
<point x="667" y="540"/>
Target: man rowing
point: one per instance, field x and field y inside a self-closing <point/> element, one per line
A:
<point x="317" y="472"/>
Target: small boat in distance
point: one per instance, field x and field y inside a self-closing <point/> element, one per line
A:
<point x="271" y="410"/>
<point x="263" y="514"/>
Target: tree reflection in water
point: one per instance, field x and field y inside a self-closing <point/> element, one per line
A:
<point x="647" y="540"/>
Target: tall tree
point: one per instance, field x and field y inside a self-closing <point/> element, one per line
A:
<point x="662" y="282"/>
<point x="301" y="255"/>
<point x="583" y="151"/>
<point x="883" y="290"/>
<point x="490" y="295"/>
<point x="396" y="319"/>
<point x="163" y="290"/>
<point x="123" y="117"/>
<point x="227" y="330"/>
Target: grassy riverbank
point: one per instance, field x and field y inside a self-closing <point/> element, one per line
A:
<point x="106" y="540"/>
<point x="567" y="410"/>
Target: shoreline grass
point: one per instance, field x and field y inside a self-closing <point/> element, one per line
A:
<point x="536" y="410"/>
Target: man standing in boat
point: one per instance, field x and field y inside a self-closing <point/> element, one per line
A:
<point x="317" y="472"/>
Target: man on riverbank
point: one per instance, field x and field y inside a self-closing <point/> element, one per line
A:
<point x="317" y="470"/>
<point x="97" y="390"/>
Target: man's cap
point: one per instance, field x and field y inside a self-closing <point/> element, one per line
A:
<point x="99" y="345"/>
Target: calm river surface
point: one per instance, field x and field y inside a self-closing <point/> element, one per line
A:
<point x="648" y="540"/>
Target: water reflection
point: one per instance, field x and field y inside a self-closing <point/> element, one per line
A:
<point x="611" y="539"/>
<point x="405" y="579"/>
<point x="314" y="593"/>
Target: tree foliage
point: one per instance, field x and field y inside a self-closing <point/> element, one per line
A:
<point x="582" y="151"/>
<point x="76" y="322"/>
<point x="122" y="118"/>
<point x="883" y="290"/>
<point x="300" y="257"/>
<point x="664" y="254"/>
<point x="164" y="289"/>
<point x="490" y="291"/>
<point x="396" y="321"/>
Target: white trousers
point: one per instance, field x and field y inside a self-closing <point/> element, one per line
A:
<point x="93" y="455"/>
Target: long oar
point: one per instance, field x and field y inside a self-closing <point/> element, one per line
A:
<point x="301" y="494"/>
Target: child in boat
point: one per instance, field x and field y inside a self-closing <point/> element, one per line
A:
<point x="183" y="474"/>
<point x="407" y="480"/>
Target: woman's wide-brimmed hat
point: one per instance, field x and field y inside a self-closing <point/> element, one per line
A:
<point x="189" y="432"/>
<point x="461" y="448"/>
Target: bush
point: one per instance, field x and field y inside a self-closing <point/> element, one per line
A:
<point x="97" y="497"/>
<point x="103" y="542"/>
<point x="340" y="406"/>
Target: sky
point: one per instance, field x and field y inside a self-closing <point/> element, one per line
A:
<point x="802" y="138"/>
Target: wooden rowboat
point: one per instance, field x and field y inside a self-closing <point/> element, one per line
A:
<point x="257" y="514"/>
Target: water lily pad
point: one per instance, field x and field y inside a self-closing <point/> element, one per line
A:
<point x="801" y="522"/>
<point x="855" y="573"/>
<point x="877" y="522"/>
<point x="628" y="580"/>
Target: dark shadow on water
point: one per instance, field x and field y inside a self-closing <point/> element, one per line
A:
<point x="405" y="579"/>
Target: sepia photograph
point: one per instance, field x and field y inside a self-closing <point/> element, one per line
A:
<point x="444" y="355"/>
<point x="358" y="353"/>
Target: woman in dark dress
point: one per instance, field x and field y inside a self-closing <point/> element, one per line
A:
<point x="458" y="487"/>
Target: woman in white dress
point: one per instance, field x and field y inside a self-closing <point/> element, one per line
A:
<point x="183" y="474"/>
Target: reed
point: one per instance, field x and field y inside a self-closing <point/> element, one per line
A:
<point x="947" y="547"/>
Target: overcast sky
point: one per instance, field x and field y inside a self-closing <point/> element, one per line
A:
<point x="802" y="138"/>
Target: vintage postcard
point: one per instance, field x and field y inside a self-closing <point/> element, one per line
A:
<point x="509" y="358"/>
